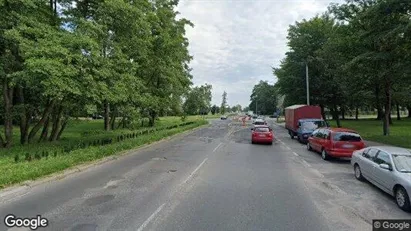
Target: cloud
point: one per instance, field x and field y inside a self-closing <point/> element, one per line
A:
<point x="235" y="43"/>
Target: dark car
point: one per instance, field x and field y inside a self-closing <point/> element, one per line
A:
<point x="97" y="117"/>
<point x="307" y="126"/>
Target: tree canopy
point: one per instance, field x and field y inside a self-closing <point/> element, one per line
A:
<point x="65" y="58"/>
<point x="358" y="56"/>
<point x="263" y="98"/>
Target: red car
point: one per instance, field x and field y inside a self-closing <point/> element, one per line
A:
<point x="262" y="134"/>
<point x="335" y="142"/>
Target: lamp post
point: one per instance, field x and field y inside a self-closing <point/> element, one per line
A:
<point x="307" y="84"/>
<point x="256" y="106"/>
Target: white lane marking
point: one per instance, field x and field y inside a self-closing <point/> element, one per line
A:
<point x="215" y="149"/>
<point x="306" y="164"/>
<point x="18" y="229"/>
<point x="295" y="154"/>
<point x="195" y="170"/>
<point x="150" y="218"/>
<point x="288" y="147"/>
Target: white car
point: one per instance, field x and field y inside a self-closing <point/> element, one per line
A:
<point x="223" y="117"/>
<point x="259" y="122"/>
<point x="388" y="168"/>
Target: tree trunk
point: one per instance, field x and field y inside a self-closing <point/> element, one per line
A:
<point x="409" y="111"/>
<point x="380" y="112"/>
<point x="356" y="113"/>
<point x="124" y="122"/>
<point x="121" y="123"/>
<point x="106" y="115"/>
<point x="323" y="112"/>
<point x="152" y="118"/>
<point x="398" y="111"/>
<point x="43" y="119"/>
<point x="56" y="124"/>
<point x="45" y="131"/>
<point x="113" y="118"/>
<point x="25" y="117"/>
<point x="343" y="113"/>
<point x="8" y="114"/>
<point x="336" y="116"/>
<point x="387" y="109"/>
<point x="113" y="121"/>
<point x="333" y="113"/>
<point x="63" y="126"/>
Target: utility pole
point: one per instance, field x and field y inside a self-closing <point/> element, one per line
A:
<point x="256" y="106"/>
<point x="307" y="83"/>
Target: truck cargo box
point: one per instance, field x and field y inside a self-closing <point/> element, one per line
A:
<point x="297" y="112"/>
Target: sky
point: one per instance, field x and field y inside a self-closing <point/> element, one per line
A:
<point x="235" y="43"/>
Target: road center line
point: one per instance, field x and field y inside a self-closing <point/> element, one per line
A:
<point x="195" y="170"/>
<point x="150" y="218"/>
<point x="295" y="154"/>
<point x="215" y="149"/>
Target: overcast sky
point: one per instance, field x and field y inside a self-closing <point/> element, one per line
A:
<point x="236" y="42"/>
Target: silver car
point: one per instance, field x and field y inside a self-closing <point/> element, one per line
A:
<point x="388" y="168"/>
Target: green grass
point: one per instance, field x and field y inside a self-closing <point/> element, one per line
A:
<point x="371" y="129"/>
<point x="57" y="160"/>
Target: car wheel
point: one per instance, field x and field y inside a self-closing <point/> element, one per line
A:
<point x="271" y="143"/>
<point x="358" y="173"/>
<point x="309" y="148"/>
<point x="402" y="199"/>
<point x="324" y="155"/>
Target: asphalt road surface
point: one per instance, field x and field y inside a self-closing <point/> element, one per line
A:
<point x="210" y="179"/>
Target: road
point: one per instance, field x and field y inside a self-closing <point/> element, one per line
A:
<point x="210" y="179"/>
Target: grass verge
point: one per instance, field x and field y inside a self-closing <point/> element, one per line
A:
<point x="371" y="129"/>
<point x="14" y="173"/>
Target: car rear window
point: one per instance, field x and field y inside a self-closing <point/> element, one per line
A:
<point x="346" y="136"/>
<point x="262" y="129"/>
<point x="259" y="123"/>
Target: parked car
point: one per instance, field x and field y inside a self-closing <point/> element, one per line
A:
<point x="97" y="117"/>
<point x="262" y="134"/>
<point x="259" y="122"/>
<point x="223" y="117"/>
<point x="335" y="142"/>
<point x="388" y="168"/>
<point x="307" y="126"/>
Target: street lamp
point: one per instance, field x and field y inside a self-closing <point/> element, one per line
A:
<point x="256" y="106"/>
<point x="307" y="84"/>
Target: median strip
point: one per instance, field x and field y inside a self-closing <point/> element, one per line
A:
<point x="16" y="172"/>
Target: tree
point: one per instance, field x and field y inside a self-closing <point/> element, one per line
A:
<point x="165" y="67"/>
<point x="128" y="59"/>
<point x="214" y="109"/>
<point x="382" y="26"/>
<point x="306" y="39"/>
<point x="265" y="96"/>
<point x="198" y="100"/>
<point x="223" y="107"/>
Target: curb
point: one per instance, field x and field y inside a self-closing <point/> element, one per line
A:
<point x="26" y="185"/>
